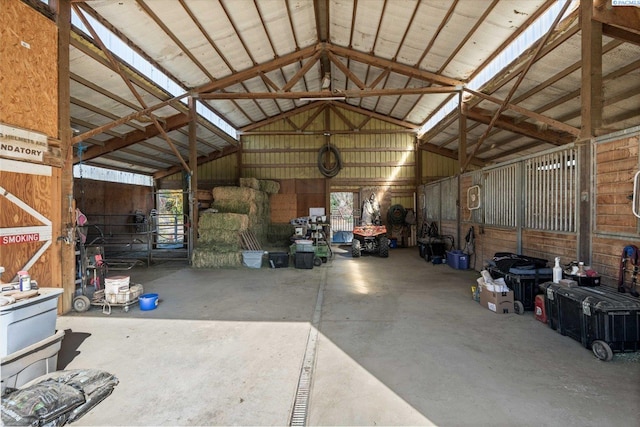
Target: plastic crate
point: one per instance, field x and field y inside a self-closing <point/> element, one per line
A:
<point x="278" y="259"/>
<point x="599" y="318"/>
<point x="458" y="260"/>
<point x="304" y="260"/>
<point x="524" y="282"/>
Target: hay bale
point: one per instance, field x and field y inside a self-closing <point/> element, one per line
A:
<point x="269" y="187"/>
<point x="238" y="206"/>
<point x="207" y="256"/>
<point x="223" y="221"/>
<point x="235" y="193"/>
<point x="217" y="237"/>
<point x="250" y="183"/>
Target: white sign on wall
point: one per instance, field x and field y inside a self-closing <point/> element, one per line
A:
<point x="22" y="144"/>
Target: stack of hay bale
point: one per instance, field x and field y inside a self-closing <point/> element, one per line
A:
<point x="239" y="209"/>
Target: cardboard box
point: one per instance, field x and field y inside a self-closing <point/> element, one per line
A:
<point x="498" y="302"/>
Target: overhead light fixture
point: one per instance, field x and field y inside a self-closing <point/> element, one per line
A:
<point x="326" y="81"/>
<point x="325" y="98"/>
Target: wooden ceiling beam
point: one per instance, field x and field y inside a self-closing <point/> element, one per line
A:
<point x="621" y="34"/>
<point x="538" y="47"/>
<point x="301" y="72"/>
<point x="395" y="67"/>
<point x="351" y="93"/>
<point x="347" y="72"/>
<point x="255" y="71"/>
<point x="172" y="123"/>
<point x="522" y="128"/>
<point x="626" y="18"/>
<point x="527" y="113"/>
<point x="101" y="112"/>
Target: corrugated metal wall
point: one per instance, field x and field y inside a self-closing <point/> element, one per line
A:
<point x="435" y="167"/>
<point x="380" y="154"/>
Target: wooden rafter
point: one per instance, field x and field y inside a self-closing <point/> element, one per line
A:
<point x="539" y="45"/>
<point x="530" y="114"/>
<point x="351" y="93"/>
<point x="346" y="71"/>
<point x="301" y="72"/>
<point x="174" y="122"/>
<point x="102" y="112"/>
<point x="312" y="117"/>
<point x="342" y="117"/>
<point x="625" y="18"/>
<point x="395" y="67"/>
<point x="522" y="128"/>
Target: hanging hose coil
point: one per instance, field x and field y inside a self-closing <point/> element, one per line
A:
<point x="333" y="171"/>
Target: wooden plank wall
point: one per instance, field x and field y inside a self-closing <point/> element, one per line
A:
<point x="29" y="90"/>
<point x="110" y="198"/>
<point x="40" y="192"/>
<point x="615" y="225"/>
<point x="29" y="67"/>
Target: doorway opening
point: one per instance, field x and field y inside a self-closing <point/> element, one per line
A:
<point x="343" y="216"/>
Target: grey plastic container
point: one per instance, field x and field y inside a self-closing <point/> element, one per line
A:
<point x="28" y="321"/>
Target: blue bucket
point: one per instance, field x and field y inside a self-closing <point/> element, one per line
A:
<point x="148" y="301"/>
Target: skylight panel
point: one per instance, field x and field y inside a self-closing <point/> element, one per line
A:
<point x="136" y="61"/>
<point x="523" y="42"/>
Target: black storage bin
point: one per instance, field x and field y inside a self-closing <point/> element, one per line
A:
<point x="523" y="282"/>
<point x="304" y="259"/>
<point x="601" y="319"/>
<point x="278" y="259"/>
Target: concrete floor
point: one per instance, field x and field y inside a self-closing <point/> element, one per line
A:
<point x="399" y="342"/>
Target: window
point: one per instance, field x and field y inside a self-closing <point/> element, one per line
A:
<point x="550" y="191"/>
<point x="500" y="196"/>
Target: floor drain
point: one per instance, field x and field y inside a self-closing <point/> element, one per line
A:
<point x="301" y="402"/>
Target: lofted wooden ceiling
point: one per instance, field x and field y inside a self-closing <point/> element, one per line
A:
<point x="253" y="62"/>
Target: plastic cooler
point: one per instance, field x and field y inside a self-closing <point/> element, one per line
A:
<point x="524" y="282"/>
<point x="601" y="319"/>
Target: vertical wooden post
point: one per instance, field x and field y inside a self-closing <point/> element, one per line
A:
<point x="462" y="134"/>
<point x="193" y="165"/>
<point x="591" y="90"/>
<point x="591" y="109"/>
<point x="462" y="161"/>
<point x="67" y="223"/>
